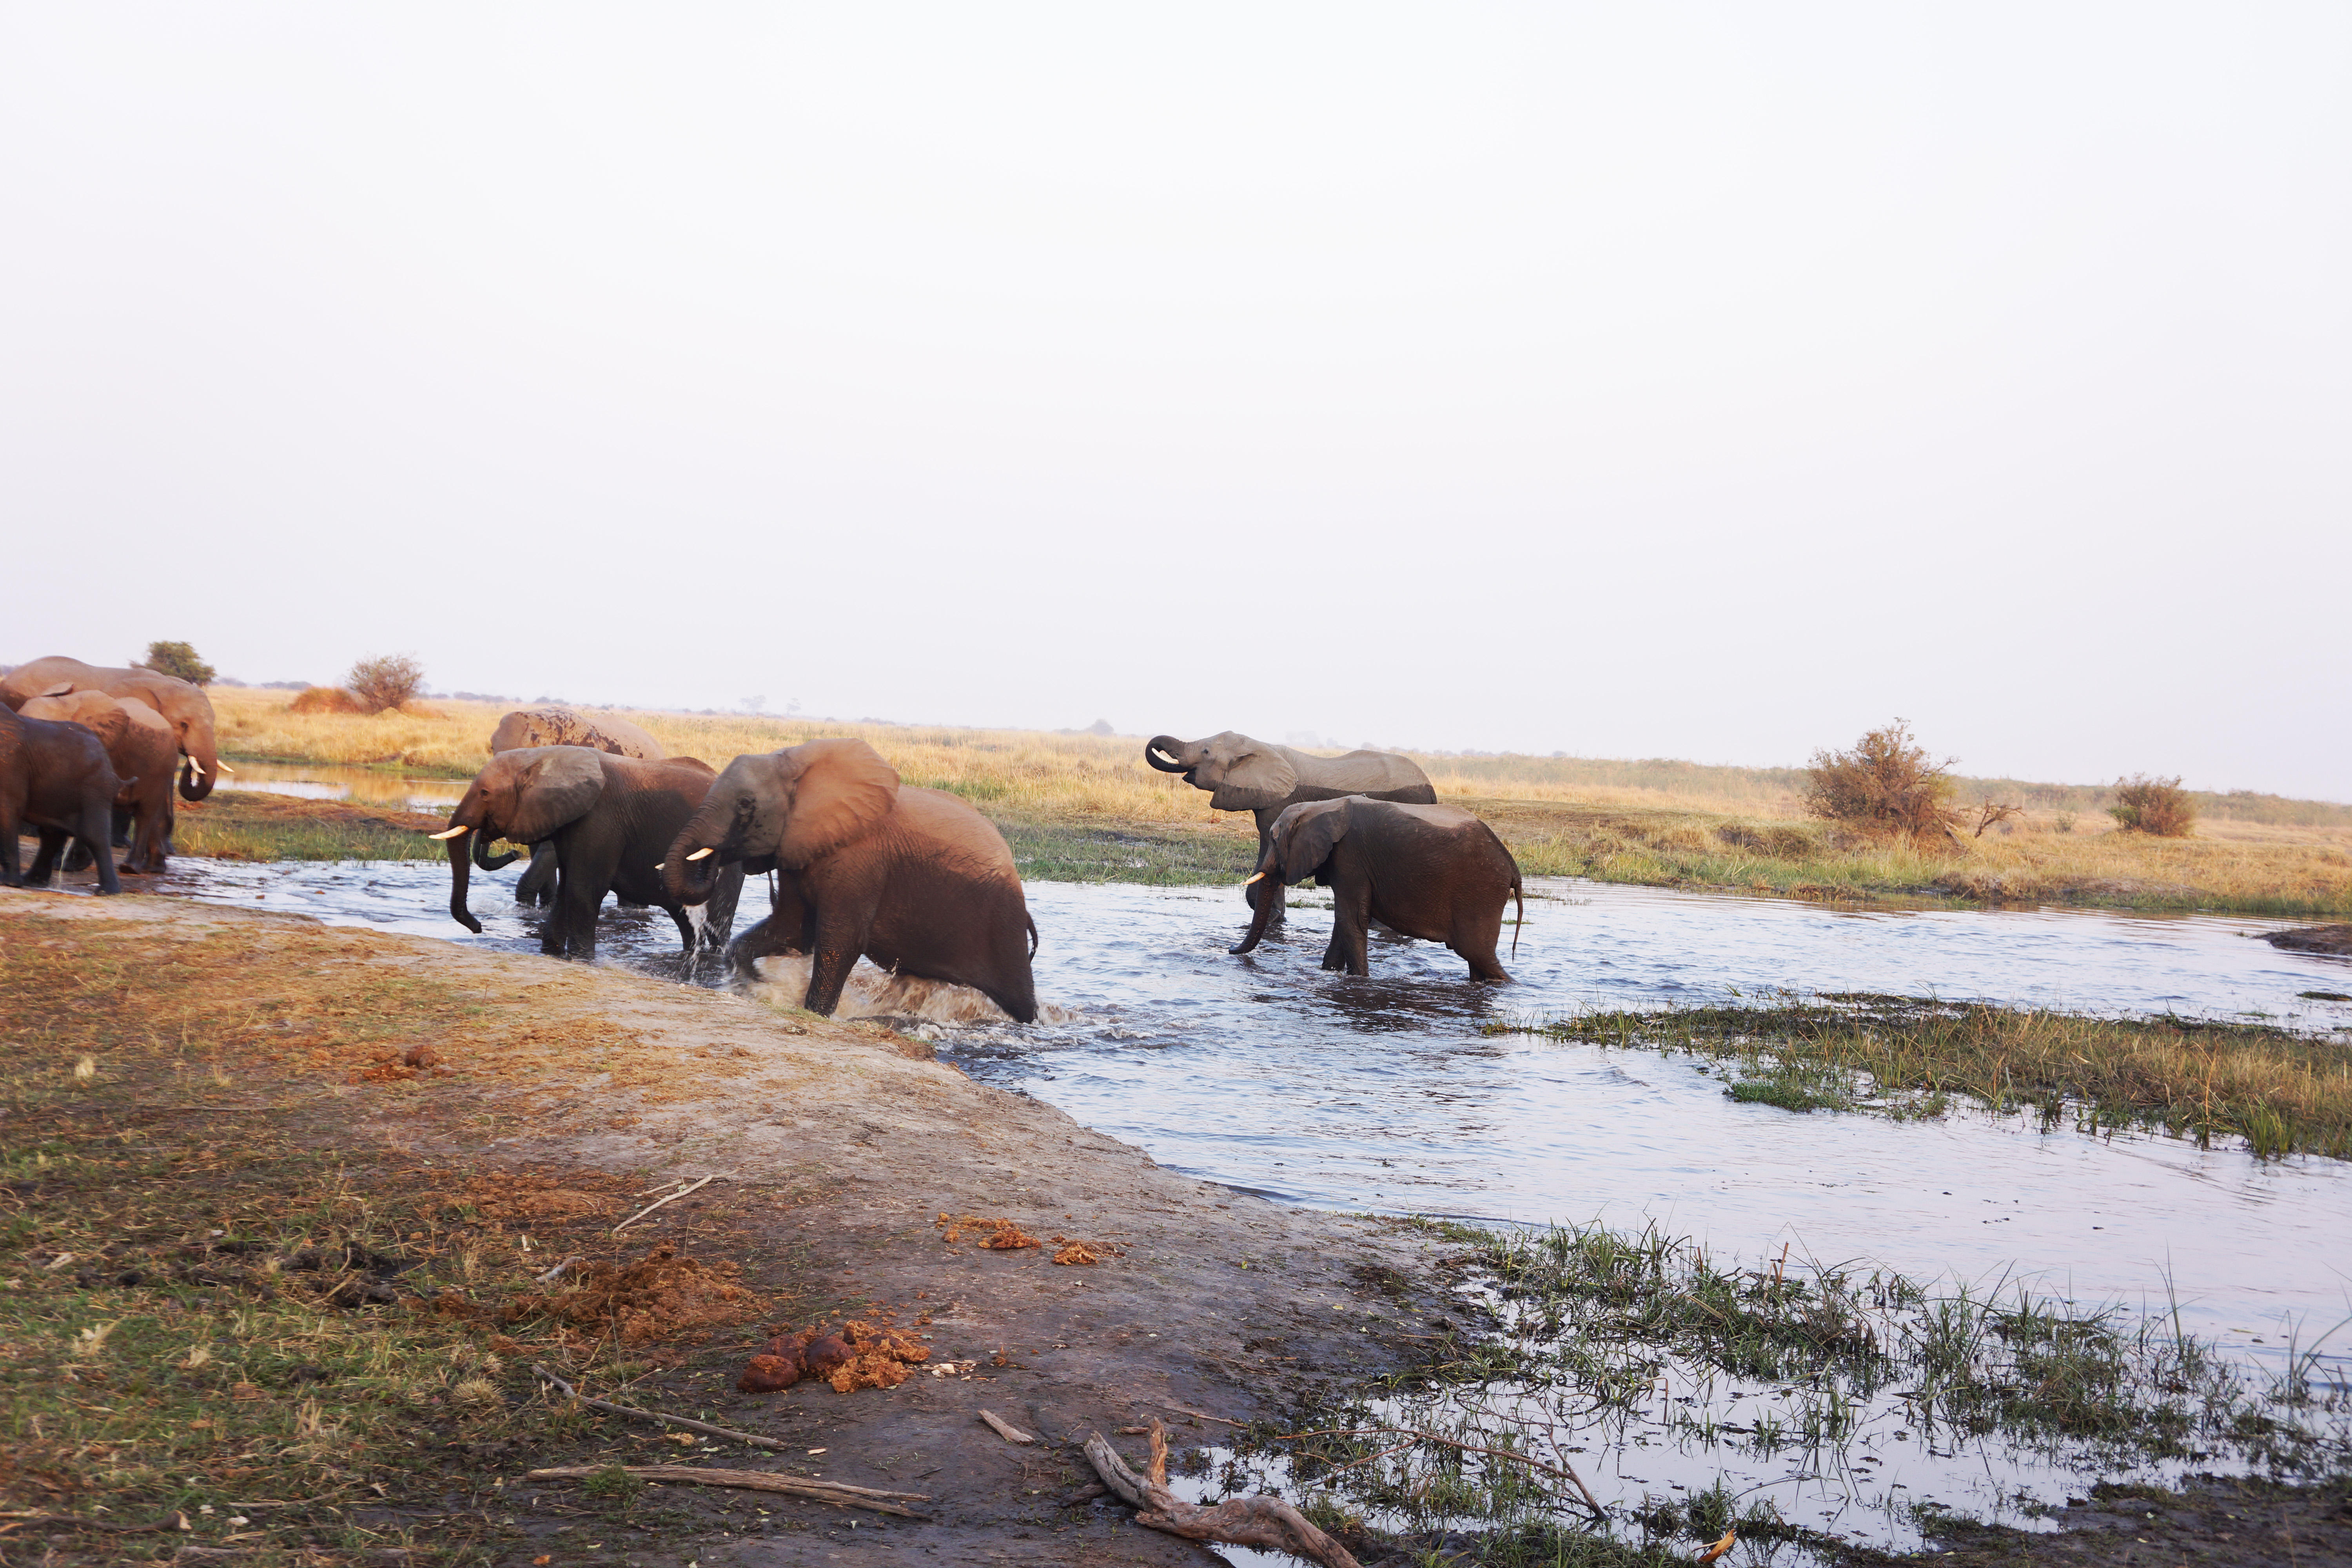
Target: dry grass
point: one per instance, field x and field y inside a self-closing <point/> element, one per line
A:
<point x="1650" y="822"/>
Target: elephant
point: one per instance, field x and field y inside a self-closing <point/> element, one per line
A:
<point x="183" y="704"/>
<point x="913" y="879"/>
<point x="1266" y="780"/>
<point x="141" y="748"/>
<point x="54" y="776"/>
<point x="565" y="727"/>
<point x="1435" y="872"/>
<point x="609" y="818"/>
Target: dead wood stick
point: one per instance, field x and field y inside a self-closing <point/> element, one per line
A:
<point x="836" y="1493"/>
<point x="1204" y="1416"/>
<point x="658" y="1202"/>
<point x="1564" y="1470"/>
<point x="1261" y="1522"/>
<point x="728" y="1432"/>
<point x="1006" y="1429"/>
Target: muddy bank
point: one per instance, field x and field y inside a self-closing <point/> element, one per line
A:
<point x="836" y="1148"/>
<point x="2334" y="940"/>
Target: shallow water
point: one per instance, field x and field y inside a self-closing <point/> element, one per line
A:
<point x="369" y="787"/>
<point x="1267" y="1073"/>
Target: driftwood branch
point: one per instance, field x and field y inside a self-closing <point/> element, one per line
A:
<point x="839" y="1493"/>
<point x="1202" y="1416"/>
<point x="1564" y="1470"/>
<point x="1266" y="1522"/>
<point x="1006" y="1429"/>
<point x="671" y="1199"/>
<point x="727" y="1432"/>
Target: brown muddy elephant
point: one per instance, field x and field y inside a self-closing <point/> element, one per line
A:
<point x="1266" y="780"/>
<point x="609" y="818"/>
<point x="54" y="777"/>
<point x="142" y="750"/>
<point x="1435" y="872"/>
<point x="913" y="879"/>
<point x="184" y="706"/>
<point x="527" y="727"/>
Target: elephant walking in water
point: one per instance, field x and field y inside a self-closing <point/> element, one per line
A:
<point x="528" y="727"/>
<point x="1266" y="780"/>
<point x="141" y="748"/>
<point x="1435" y="872"/>
<point x="913" y="879"/>
<point x="609" y="819"/>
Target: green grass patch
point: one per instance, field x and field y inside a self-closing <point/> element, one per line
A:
<point x="2279" y="1091"/>
<point x="1078" y="852"/>
<point x="249" y="825"/>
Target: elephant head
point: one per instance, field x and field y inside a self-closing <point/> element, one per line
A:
<point x="524" y="797"/>
<point x="1242" y="775"/>
<point x="189" y="712"/>
<point x="790" y="807"/>
<point x="1302" y="839"/>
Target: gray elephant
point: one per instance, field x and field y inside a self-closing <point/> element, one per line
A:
<point x="1266" y="780"/>
<point x="528" y="727"/>
<point x="1435" y="872"/>
<point x="611" y="818"/>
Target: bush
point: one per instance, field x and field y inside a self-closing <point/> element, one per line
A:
<point x="177" y="658"/>
<point x="384" y="680"/>
<point x="1885" y="784"/>
<point x="326" y="700"/>
<point x="2145" y="805"/>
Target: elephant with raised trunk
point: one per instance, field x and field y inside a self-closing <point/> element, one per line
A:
<point x="1435" y="872"/>
<point x="913" y="879"/>
<point x="184" y="706"/>
<point x="1266" y="780"/>
<point x="608" y="817"/>
<point x="528" y="727"/>
<point x="142" y="749"/>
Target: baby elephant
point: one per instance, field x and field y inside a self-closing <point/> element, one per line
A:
<point x="1432" y="872"/>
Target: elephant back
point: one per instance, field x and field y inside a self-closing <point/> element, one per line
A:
<point x="528" y="727"/>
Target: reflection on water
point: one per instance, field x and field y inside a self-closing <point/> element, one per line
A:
<point x="369" y="786"/>
<point x="1269" y="1074"/>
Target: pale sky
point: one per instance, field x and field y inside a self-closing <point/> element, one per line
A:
<point x="1697" y="380"/>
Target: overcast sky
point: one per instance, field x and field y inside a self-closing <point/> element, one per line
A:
<point x="1709" y="382"/>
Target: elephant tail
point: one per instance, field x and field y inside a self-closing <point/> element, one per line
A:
<point x="1031" y="922"/>
<point x="1516" y="924"/>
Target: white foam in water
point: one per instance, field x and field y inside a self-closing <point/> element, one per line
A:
<point x="875" y="993"/>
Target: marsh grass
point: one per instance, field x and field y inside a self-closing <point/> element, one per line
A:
<point x="1592" y="1325"/>
<point x="2280" y="1092"/>
<point x="1083" y="797"/>
<point x="247" y="826"/>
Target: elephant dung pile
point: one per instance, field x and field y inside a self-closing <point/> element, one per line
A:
<point x="862" y="1355"/>
<point x="660" y="1297"/>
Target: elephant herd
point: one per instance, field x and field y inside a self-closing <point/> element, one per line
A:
<point x="863" y="863"/>
<point x="88" y="754"/>
<point x="867" y="866"/>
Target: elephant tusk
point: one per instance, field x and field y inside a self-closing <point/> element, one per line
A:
<point x="701" y="854"/>
<point x="449" y="833"/>
<point x="661" y="864"/>
<point x="1259" y="878"/>
<point x="197" y="767"/>
<point x="223" y="767"/>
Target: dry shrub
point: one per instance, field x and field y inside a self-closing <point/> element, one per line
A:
<point x="2145" y="804"/>
<point x="384" y="680"/>
<point x="1886" y="785"/>
<point x="325" y="700"/>
<point x="660" y="1297"/>
<point x="1003" y="1235"/>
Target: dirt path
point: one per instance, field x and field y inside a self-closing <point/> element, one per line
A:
<point x="836" y="1148"/>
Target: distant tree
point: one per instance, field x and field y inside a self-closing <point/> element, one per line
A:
<point x="2148" y="805"/>
<point x="180" y="660"/>
<point x="1885" y="783"/>
<point x="384" y="680"/>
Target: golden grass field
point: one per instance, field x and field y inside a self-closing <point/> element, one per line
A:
<point x="1648" y="822"/>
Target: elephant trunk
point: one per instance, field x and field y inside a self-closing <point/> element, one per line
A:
<point x="457" y="879"/>
<point x="487" y="861"/>
<point x="1170" y="748"/>
<point x="688" y="881"/>
<point x="1267" y="903"/>
<point x="202" y="770"/>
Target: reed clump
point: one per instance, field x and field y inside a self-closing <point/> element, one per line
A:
<point x="2279" y="1091"/>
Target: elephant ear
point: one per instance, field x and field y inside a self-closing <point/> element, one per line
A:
<point x="841" y="791"/>
<point x="1304" y="835"/>
<point x="557" y="789"/>
<point x="1257" y="778"/>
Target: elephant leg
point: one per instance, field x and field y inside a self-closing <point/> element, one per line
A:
<point x="147" y="853"/>
<point x="97" y="830"/>
<point x="1475" y="938"/>
<point x="771" y="936"/>
<point x="588" y="869"/>
<point x="78" y="857"/>
<point x="122" y="828"/>
<point x="840" y="939"/>
<point x="1352" y="919"/>
<point x="538" y="883"/>
<point x="44" y="859"/>
<point x="12" y="833"/>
